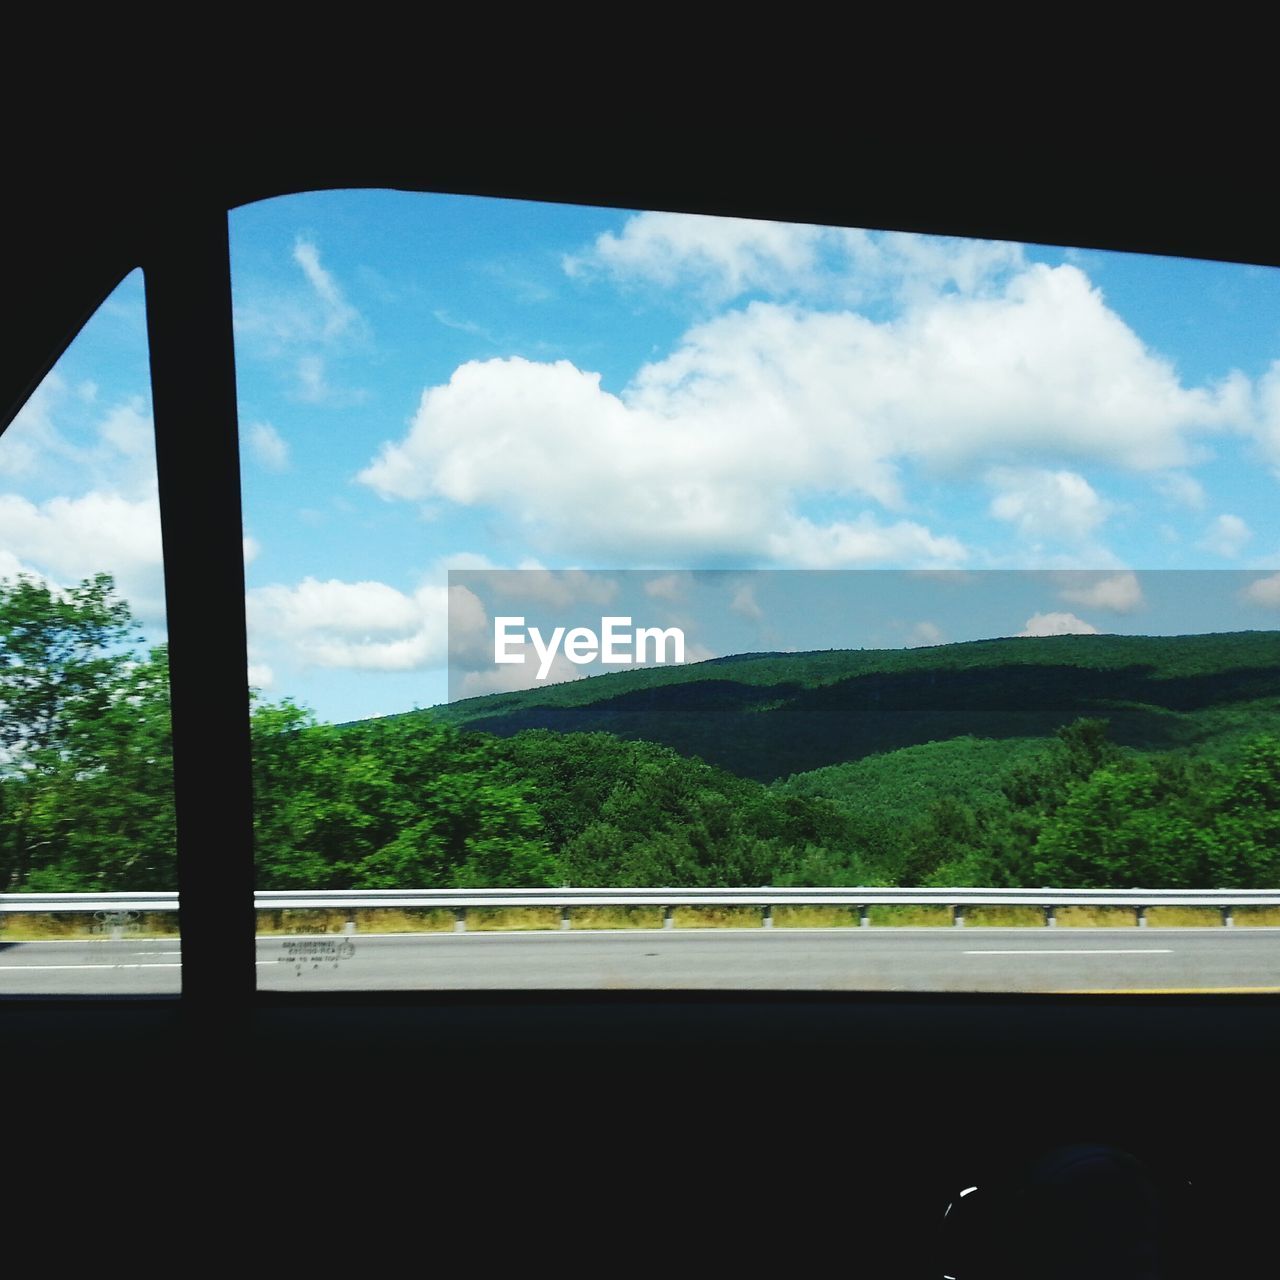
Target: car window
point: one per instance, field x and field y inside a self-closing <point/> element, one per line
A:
<point x="951" y="559"/>
<point x="87" y="846"/>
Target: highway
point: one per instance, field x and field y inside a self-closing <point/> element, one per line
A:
<point x="887" y="959"/>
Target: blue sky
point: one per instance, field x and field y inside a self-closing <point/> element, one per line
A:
<point x="434" y="382"/>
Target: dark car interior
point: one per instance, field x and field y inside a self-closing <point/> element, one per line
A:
<point x="753" y="1130"/>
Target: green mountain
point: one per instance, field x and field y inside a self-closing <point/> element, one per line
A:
<point x="769" y="716"/>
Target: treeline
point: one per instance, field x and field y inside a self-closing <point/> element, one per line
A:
<point x="1084" y="813"/>
<point x="86" y="795"/>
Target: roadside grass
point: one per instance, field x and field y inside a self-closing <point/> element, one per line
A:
<point x="25" y="926"/>
<point x="54" y="926"/>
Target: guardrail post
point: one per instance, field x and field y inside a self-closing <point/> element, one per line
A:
<point x="1050" y="917"/>
<point x="957" y="917"/>
<point x="668" y="917"/>
<point x="1228" y="918"/>
<point x="350" y="927"/>
<point x="1141" y="913"/>
<point x="459" y="919"/>
<point x="864" y="917"/>
<point x="766" y="917"/>
<point x="565" y="922"/>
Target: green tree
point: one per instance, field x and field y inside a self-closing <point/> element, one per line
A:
<point x="86" y="791"/>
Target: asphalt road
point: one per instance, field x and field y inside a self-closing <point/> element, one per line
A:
<point x="890" y="959"/>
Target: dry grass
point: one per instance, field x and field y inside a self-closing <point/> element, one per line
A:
<point x="55" y="926"/>
<point x="23" y="927"/>
<point x="618" y="917"/>
<point x="1257" y="916"/>
<point x="718" y="917"/>
<point x="385" y="920"/>
<point x="815" y="917"/>
<point x="497" y="919"/>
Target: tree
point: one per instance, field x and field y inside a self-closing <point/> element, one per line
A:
<point x="61" y="655"/>
<point x="86" y="795"/>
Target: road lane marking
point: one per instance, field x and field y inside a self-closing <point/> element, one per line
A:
<point x="1167" y="991"/>
<point x="1081" y="951"/>
<point x="31" y="968"/>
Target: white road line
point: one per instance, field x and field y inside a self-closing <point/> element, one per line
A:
<point x="1081" y="951"/>
<point x="31" y="968"/>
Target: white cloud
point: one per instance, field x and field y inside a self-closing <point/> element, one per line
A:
<point x="726" y="257"/>
<point x="359" y="625"/>
<point x="69" y="539"/>
<point x="1181" y="488"/>
<point x="269" y="447"/>
<point x="1117" y="592"/>
<point x="864" y="541"/>
<point x="302" y="325"/>
<point x="128" y="429"/>
<point x="261" y="676"/>
<point x="1267" y="428"/>
<point x="32" y="437"/>
<point x="1264" y="591"/>
<point x="251" y="548"/>
<point x="924" y="634"/>
<point x="1058" y="505"/>
<point x="1226" y="536"/>
<point x="715" y="450"/>
<point x="1057" y="624"/>
<point x="339" y="315"/>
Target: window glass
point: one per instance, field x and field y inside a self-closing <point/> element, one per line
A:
<point x="86" y="775"/>
<point x="969" y="550"/>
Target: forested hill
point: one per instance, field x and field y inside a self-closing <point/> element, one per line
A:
<point x="767" y="716"/>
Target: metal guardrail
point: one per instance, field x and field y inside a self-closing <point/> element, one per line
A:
<point x="459" y="901"/>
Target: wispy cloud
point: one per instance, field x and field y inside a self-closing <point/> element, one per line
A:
<point x="300" y="328"/>
<point x="269" y="448"/>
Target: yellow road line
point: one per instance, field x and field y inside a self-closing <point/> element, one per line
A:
<point x="1167" y="991"/>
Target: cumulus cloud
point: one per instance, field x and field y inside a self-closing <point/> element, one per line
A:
<point x="367" y="626"/>
<point x="1264" y="591"/>
<point x="1060" y="506"/>
<point x="67" y="539"/>
<point x="1226" y="536"/>
<point x="1057" y="624"/>
<point x="715" y="450"/>
<point x="1117" y="592"/>
<point x="269" y="448"/>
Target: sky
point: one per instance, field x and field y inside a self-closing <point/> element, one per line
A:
<point x="433" y="382"/>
